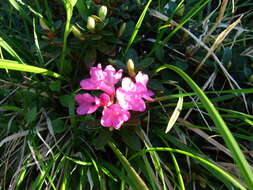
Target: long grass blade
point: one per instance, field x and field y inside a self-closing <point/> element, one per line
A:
<point x="16" y="66"/>
<point x="220" y="124"/>
<point x="137" y="26"/>
<point x="140" y="184"/>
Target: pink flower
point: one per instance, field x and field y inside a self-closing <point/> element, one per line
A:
<point x="114" y="116"/>
<point x="130" y="95"/>
<point x="87" y="103"/>
<point x="102" y="80"/>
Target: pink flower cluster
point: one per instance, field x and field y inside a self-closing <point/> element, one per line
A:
<point x="130" y="96"/>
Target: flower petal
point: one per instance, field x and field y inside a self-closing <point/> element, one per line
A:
<point x="141" y="78"/>
<point x="87" y="103"/>
<point x="130" y="100"/>
<point x="114" y="116"/>
<point x="89" y="84"/>
<point x="102" y="80"/>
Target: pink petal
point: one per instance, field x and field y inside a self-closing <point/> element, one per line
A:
<point x="114" y="116"/>
<point x="111" y="76"/>
<point x="89" y="84"/>
<point x="102" y="80"/>
<point x="87" y="104"/>
<point x="130" y="100"/>
<point x="84" y="109"/>
<point x="96" y="73"/>
<point x="108" y="88"/>
<point x="80" y="98"/>
<point x="128" y="84"/>
<point x="142" y="78"/>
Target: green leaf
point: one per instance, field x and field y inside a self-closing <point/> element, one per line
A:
<point x="156" y="85"/>
<point x="103" y="47"/>
<point x="90" y="57"/>
<point x="58" y="126"/>
<point x="130" y="138"/>
<point x="145" y="63"/>
<point x="227" y="55"/>
<point x="55" y="86"/>
<point x="102" y="139"/>
<point x="67" y="100"/>
<point x="175" y="114"/>
<point x="159" y="53"/>
<point x="31" y="115"/>
<point x="132" y="54"/>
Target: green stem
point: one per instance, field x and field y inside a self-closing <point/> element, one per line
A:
<point x="69" y="11"/>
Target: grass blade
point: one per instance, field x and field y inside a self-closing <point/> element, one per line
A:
<point x="180" y="178"/>
<point x="192" y="13"/>
<point x="140" y="185"/>
<point x="137" y="26"/>
<point x="202" y="160"/>
<point x="220" y="124"/>
<point x="16" y="66"/>
<point x="9" y="49"/>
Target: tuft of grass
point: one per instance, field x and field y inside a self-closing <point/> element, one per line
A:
<point x="219" y="122"/>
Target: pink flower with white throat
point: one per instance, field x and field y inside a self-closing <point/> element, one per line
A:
<point x="130" y="96"/>
<point x="104" y="80"/>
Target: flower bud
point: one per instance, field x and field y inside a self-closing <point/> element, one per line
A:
<point x="102" y="12"/>
<point x="122" y="29"/>
<point x="77" y="33"/>
<point x="43" y="24"/>
<point x="130" y="68"/>
<point x="91" y="24"/>
<point x="111" y="61"/>
<point x="181" y="10"/>
<point x="73" y="2"/>
<point x="250" y="78"/>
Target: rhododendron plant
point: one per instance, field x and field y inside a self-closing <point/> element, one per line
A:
<point x="116" y="102"/>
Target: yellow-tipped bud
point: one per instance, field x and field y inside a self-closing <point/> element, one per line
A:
<point x="77" y="33"/>
<point x="130" y="68"/>
<point x="91" y="24"/>
<point x="102" y="12"/>
<point x="122" y="29"/>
